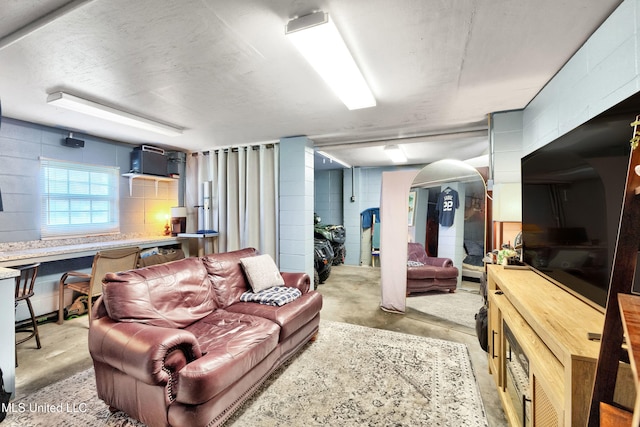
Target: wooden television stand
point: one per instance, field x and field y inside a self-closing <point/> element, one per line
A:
<point x="539" y="333"/>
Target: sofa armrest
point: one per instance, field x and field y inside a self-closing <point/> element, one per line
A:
<point x="439" y="262"/>
<point x="151" y="354"/>
<point x="301" y="281"/>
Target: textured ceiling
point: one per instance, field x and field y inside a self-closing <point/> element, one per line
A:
<point x="225" y="72"/>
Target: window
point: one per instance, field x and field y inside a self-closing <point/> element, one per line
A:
<point x="78" y="199"/>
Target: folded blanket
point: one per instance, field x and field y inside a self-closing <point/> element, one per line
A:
<point x="276" y="295"/>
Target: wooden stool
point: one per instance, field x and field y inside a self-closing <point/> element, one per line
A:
<point x="24" y="291"/>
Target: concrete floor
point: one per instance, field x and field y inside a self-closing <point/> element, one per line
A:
<point x="351" y="295"/>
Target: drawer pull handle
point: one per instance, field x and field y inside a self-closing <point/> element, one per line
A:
<point x="524" y="410"/>
<point x="493" y="344"/>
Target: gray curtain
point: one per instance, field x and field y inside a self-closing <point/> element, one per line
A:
<point x="242" y="183"/>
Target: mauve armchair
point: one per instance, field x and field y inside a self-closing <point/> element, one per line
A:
<point x="426" y="273"/>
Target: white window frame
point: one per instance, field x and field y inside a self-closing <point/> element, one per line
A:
<point x="78" y="199"/>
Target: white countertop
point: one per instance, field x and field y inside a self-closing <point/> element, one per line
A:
<point x="21" y="255"/>
<point x="8" y="273"/>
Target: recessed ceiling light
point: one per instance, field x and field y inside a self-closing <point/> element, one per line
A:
<point x="395" y="153"/>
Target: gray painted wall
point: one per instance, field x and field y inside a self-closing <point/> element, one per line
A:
<point x="364" y="184"/>
<point x="21" y="146"/>
<point x="328" y="200"/>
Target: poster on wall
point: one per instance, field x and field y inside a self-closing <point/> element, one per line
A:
<point x="412" y="207"/>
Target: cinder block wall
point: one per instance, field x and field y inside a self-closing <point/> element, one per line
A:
<point x="602" y="73"/>
<point x="21" y="146"/>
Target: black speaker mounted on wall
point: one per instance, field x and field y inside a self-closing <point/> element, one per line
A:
<point x="70" y="141"/>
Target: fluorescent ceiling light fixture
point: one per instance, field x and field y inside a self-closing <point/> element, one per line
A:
<point x="395" y="153"/>
<point x="319" y="41"/>
<point x="84" y="106"/>
<point x="333" y="159"/>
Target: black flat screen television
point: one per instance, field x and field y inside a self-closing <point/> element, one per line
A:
<point x="572" y="195"/>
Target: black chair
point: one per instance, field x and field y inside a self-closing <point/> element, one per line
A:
<point x="24" y="291"/>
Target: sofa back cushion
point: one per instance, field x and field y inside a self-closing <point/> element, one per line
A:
<point x="227" y="276"/>
<point x="416" y="253"/>
<point x="171" y="295"/>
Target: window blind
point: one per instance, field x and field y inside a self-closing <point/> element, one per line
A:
<point x="78" y="199"/>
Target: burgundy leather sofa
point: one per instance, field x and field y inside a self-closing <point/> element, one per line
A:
<point x="433" y="273"/>
<point x="172" y="345"/>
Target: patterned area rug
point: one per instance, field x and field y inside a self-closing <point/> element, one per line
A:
<point x="350" y="376"/>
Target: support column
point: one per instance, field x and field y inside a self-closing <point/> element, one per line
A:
<point x="506" y="140"/>
<point x="296" y="205"/>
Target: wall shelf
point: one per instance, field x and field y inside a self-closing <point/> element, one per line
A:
<point x="155" y="178"/>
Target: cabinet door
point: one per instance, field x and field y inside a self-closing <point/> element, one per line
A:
<point x="546" y="412"/>
<point x="495" y="339"/>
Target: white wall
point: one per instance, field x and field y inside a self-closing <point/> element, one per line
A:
<point x="418" y="232"/>
<point x="602" y="73"/>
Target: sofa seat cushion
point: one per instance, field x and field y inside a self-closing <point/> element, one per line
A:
<point x="418" y="273"/>
<point x="290" y="317"/>
<point x="429" y="272"/>
<point x="170" y="295"/>
<point x="446" y="272"/>
<point x="232" y="344"/>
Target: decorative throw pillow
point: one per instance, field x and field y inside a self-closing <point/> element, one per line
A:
<point x="262" y="272"/>
<point x="414" y="264"/>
